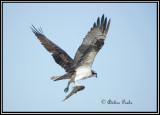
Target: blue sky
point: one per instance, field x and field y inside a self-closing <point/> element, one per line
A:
<point x="126" y="65"/>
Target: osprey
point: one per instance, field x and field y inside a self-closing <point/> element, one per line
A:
<point x="80" y="67"/>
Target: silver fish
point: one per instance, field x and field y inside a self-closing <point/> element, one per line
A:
<point x="75" y="90"/>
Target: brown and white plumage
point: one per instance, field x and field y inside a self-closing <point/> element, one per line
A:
<point x="92" y="43"/>
<point x="59" y="55"/>
<point x="79" y="67"/>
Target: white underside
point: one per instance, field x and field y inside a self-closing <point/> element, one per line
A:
<point x="82" y="72"/>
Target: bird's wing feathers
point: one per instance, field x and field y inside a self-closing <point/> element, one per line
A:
<point x="92" y="43"/>
<point x="85" y="54"/>
<point x="59" y="55"/>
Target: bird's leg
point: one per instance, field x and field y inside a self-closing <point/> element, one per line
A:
<point x="77" y="84"/>
<point x="67" y="88"/>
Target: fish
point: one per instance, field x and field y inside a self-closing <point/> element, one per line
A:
<point x="75" y="90"/>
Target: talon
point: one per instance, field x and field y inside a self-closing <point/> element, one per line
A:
<point x="66" y="90"/>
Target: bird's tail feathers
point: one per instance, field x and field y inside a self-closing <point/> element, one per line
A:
<point x="65" y="76"/>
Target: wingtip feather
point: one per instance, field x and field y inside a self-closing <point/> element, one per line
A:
<point x="94" y="25"/>
<point x="106" y="31"/>
<point x="36" y="31"/>
<point x="102" y="21"/>
<point x="98" y="22"/>
<point x="104" y="25"/>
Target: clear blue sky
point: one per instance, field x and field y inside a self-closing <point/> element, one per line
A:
<point x="126" y="65"/>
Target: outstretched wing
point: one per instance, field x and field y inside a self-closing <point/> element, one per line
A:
<point x="92" y="43"/>
<point x="59" y="55"/>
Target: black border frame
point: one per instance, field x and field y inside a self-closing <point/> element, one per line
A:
<point x="79" y="112"/>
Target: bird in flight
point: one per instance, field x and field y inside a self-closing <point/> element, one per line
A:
<point x="78" y="68"/>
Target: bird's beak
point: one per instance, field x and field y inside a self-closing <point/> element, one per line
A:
<point x="96" y="76"/>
